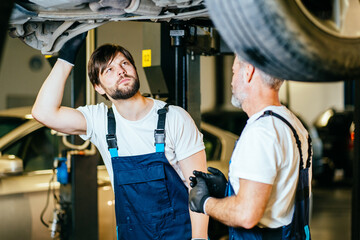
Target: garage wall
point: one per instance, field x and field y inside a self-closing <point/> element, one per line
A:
<point x="19" y="80"/>
<point x="310" y="99"/>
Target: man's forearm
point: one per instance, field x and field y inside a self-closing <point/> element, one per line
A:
<point x="199" y="225"/>
<point x="49" y="98"/>
<point x="225" y="210"/>
<point x="244" y="209"/>
<point x="230" y="212"/>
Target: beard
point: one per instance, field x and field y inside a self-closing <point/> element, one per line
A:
<point x="236" y="102"/>
<point x="128" y="91"/>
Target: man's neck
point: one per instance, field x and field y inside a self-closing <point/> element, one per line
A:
<point x="260" y="103"/>
<point x="134" y="108"/>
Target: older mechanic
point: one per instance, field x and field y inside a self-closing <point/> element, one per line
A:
<point x="269" y="178"/>
<point x="148" y="169"/>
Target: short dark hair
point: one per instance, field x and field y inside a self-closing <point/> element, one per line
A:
<point x="101" y="57"/>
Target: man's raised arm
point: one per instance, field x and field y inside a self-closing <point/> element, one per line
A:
<point x="47" y="108"/>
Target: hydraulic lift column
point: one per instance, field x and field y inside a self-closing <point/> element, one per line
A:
<point x="177" y="35"/>
<point x="80" y="195"/>
<point x="355" y="208"/>
<point x="174" y="71"/>
<point x="5" y="9"/>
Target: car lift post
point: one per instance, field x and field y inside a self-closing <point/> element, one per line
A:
<point x="174" y="71"/>
<point x="6" y="7"/>
<point x="355" y="208"/>
<point x="82" y="191"/>
<point x="178" y="34"/>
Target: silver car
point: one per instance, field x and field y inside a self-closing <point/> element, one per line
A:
<point x="27" y="152"/>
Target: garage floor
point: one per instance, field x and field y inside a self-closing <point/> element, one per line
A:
<point x="331" y="216"/>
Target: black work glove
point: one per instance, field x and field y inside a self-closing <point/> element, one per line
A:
<point x="198" y="196"/>
<point x="69" y="51"/>
<point x="216" y="182"/>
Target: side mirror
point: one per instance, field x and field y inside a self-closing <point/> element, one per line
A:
<point x="10" y="165"/>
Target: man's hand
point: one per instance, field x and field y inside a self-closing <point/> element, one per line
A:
<point x="198" y="196"/>
<point x="216" y="182"/>
<point x="69" y="51"/>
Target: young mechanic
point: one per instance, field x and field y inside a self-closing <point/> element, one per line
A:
<point x="147" y="169"/>
<point x="267" y="196"/>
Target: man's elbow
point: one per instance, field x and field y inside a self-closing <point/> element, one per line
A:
<point x="248" y="224"/>
<point x="247" y="220"/>
<point x="39" y="115"/>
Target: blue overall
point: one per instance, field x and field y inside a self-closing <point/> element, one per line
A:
<point x="151" y="200"/>
<point x="299" y="226"/>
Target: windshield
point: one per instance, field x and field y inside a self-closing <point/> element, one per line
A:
<point x="8" y="124"/>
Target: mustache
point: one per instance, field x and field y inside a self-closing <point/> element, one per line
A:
<point x="124" y="76"/>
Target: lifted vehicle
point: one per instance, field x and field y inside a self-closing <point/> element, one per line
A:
<point x="299" y="40"/>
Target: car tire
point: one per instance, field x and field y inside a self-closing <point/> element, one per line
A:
<point x="280" y="39"/>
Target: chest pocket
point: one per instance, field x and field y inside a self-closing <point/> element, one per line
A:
<point x="143" y="189"/>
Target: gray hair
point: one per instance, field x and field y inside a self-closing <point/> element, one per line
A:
<point x="270" y="81"/>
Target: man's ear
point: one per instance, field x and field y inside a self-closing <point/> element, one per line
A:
<point x="99" y="89"/>
<point x="249" y="72"/>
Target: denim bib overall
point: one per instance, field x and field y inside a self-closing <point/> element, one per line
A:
<point x="299" y="226"/>
<point x="151" y="200"/>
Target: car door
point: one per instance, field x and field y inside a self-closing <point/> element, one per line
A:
<point x="26" y="197"/>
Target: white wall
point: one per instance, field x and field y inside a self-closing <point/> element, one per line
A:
<point x="207" y="83"/>
<point x="309" y="99"/>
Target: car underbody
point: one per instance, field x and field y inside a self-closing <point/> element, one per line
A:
<point x="47" y="25"/>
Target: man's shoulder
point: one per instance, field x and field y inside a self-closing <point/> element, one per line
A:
<point x="275" y="124"/>
<point x="97" y="109"/>
<point x="172" y="109"/>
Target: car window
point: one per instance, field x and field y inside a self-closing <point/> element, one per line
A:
<point x="37" y="149"/>
<point x="212" y="146"/>
<point x="8" y="124"/>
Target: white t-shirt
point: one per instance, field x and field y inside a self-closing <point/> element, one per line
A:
<point x="267" y="152"/>
<point x="183" y="139"/>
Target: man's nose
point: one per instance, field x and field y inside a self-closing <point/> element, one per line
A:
<point x="121" y="70"/>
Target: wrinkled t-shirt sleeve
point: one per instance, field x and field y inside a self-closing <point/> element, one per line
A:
<point x="187" y="138"/>
<point x="87" y="112"/>
<point x="94" y="115"/>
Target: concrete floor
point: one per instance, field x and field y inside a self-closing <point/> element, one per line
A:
<point x="331" y="215"/>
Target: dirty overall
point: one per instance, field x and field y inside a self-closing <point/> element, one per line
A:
<point x="151" y="200"/>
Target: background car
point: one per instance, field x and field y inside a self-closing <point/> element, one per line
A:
<point x="336" y="128"/>
<point x="27" y="153"/>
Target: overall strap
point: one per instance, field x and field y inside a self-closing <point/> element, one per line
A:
<point x="297" y="139"/>
<point x="159" y="132"/>
<point x="111" y="136"/>
<point x="308" y="162"/>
